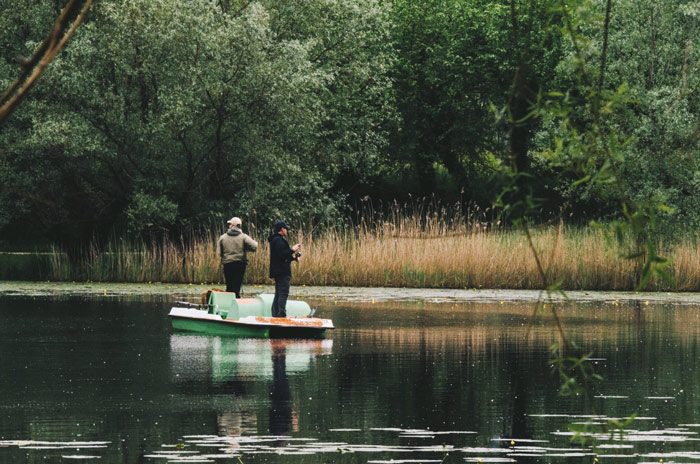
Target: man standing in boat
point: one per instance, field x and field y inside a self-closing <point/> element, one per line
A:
<point x="281" y="257"/>
<point x="233" y="246"/>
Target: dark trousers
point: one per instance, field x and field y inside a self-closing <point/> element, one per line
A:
<point x="279" y="303"/>
<point x="233" y="272"/>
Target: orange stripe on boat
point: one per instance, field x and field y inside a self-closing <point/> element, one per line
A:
<point x="290" y="321"/>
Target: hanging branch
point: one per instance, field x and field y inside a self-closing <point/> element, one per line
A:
<point x="34" y="66"/>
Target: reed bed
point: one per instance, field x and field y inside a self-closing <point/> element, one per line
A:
<point x="479" y="258"/>
<point x="431" y="248"/>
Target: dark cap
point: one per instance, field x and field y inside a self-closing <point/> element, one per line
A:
<point x="279" y="225"/>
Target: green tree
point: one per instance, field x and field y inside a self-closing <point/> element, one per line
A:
<point x="652" y="55"/>
<point x="167" y="114"/>
<point x="584" y="137"/>
<point x="455" y="59"/>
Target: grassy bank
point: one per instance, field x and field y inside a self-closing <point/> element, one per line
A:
<point x="421" y="250"/>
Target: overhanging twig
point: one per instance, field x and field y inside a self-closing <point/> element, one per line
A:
<point x="47" y="51"/>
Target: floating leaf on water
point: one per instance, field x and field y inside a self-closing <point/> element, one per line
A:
<point x="489" y="459"/>
<point x="525" y="455"/>
<point x="189" y="460"/>
<point x="666" y="432"/>
<point x="55" y="444"/>
<point x="325" y="444"/>
<point x="664" y="438"/>
<point x="619" y="456"/>
<point x="42" y="447"/>
<point x="455" y="432"/>
<point x="520" y="440"/>
<point x="533" y="449"/>
<point x="403" y="461"/>
<point x="483" y="450"/>
<point x="416" y="431"/>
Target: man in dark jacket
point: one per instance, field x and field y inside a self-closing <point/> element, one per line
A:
<point x="281" y="257"/>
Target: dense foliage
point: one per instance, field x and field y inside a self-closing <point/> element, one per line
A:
<point x="163" y="115"/>
<point x="648" y="118"/>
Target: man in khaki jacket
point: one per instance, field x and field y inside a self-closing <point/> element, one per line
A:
<point x="232" y="247"/>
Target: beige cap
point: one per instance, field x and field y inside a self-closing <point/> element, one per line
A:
<point x="235" y="221"/>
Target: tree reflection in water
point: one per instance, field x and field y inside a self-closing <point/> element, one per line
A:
<point x="395" y="383"/>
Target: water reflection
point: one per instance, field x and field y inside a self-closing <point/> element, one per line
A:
<point x="396" y="383"/>
<point x="233" y="364"/>
<point x="230" y="359"/>
<point x="483" y="327"/>
<point x="282" y="415"/>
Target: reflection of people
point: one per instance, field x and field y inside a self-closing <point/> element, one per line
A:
<point x="280" y="397"/>
<point x="281" y="257"/>
<point x="232" y="247"/>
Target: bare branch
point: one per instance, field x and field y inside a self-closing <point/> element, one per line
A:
<point x="47" y="51"/>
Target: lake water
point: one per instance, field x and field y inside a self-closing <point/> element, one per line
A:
<point x="106" y="379"/>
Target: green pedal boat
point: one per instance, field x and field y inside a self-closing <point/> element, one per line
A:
<point x="223" y="314"/>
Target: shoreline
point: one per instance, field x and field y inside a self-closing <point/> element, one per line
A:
<point x="340" y="294"/>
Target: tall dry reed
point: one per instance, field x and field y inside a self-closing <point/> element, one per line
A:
<point x="429" y="247"/>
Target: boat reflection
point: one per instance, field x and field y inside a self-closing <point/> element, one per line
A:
<point x="236" y="367"/>
<point x="224" y="359"/>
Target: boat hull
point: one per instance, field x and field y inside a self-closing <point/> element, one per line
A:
<point x="188" y="324"/>
<point x="201" y="321"/>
